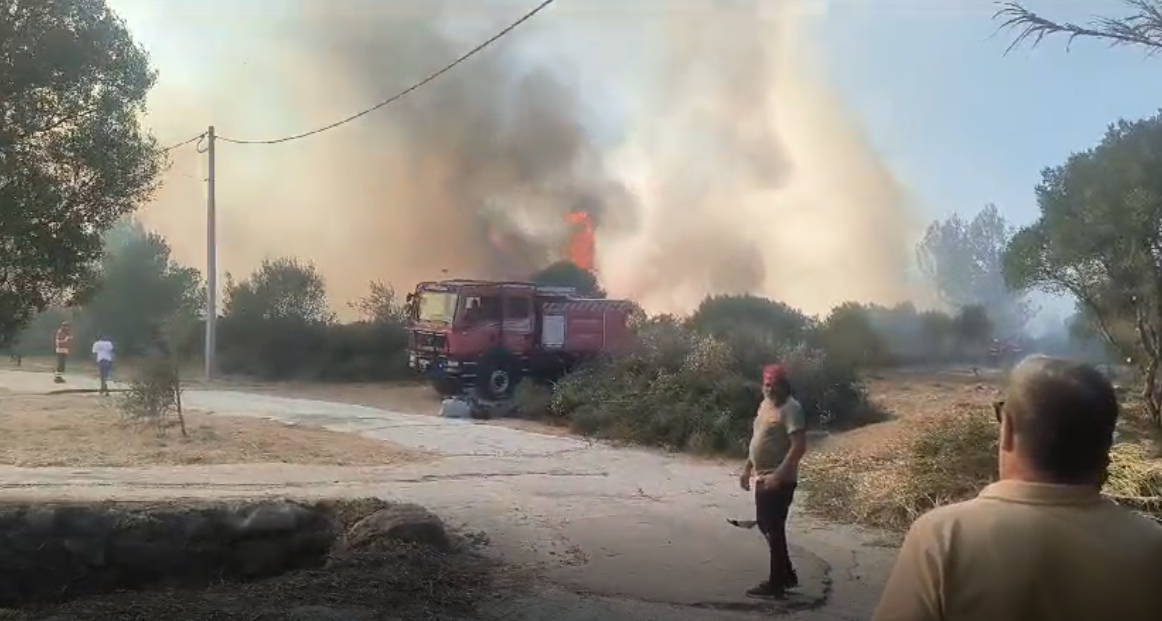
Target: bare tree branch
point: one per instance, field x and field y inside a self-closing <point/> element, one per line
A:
<point x="1142" y="27"/>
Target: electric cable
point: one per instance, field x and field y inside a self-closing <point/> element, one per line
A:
<point x="183" y="143"/>
<point x="527" y="16"/>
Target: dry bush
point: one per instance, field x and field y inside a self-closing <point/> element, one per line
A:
<point x="939" y="460"/>
<point x="532" y="400"/>
<point x="155" y="395"/>
<point x="1135" y="478"/>
<point x="933" y="461"/>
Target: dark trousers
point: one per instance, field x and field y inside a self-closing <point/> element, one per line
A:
<point x="105" y="367"/>
<point x="61" y="359"/>
<point x="771" y="509"/>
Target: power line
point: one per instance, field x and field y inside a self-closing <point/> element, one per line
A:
<point x="184" y="142"/>
<point x="406" y="91"/>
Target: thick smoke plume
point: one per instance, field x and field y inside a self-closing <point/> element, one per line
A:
<point x="731" y="171"/>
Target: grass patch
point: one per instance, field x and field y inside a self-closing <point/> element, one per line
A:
<point x="942" y="459"/>
<point x="42" y="431"/>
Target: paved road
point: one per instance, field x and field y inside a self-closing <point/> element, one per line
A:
<point x="602" y="521"/>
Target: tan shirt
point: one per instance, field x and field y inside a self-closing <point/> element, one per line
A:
<point x="1028" y="552"/>
<point x="770" y="440"/>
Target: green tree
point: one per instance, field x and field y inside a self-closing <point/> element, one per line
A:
<point x="848" y="337"/>
<point x="758" y="330"/>
<point x="568" y="274"/>
<point x="936" y="329"/>
<point x="126" y="231"/>
<point x="1143" y="26"/>
<point x="1085" y="336"/>
<point x="280" y="289"/>
<point x="973" y="327"/>
<point x="722" y="315"/>
<point x="963" y="260"/>
<point x="141" y="290"/>
<point x="73" y="155"/>
<point x="1098" y="239"/>
<point x="381" y="305"/>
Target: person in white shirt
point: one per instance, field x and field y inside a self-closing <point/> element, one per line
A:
<point x="103" y="350"/>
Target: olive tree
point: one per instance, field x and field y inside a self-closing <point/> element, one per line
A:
<point x="1141" y="27"/>
<point x="280" y="289"/>
<point x="1099" y="239"/>
<point x="140" y="289"/>
<point x="73" y="154"/>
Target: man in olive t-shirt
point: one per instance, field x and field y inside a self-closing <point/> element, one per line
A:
<point x="777" y="445"/>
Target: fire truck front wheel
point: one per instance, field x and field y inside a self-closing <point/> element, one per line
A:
<point x="497" y="376"/>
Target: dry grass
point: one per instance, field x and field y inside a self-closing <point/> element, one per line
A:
<point x="940" y="448"/>
<point x="1135" y="478"/>
<point x="928" y="462"/>
<point x="85" y="431"/>
<point x="392" y="581"/>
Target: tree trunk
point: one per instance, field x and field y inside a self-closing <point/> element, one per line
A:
<point x="177" y="389"/>
<point x="1150" y="391"/>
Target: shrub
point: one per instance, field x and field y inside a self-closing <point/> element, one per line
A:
<point x="721" y="315"/>
<point x="849" y="338"/>
<point x="280" y="349"/>
<point x="155" y="394"/>
<point x="532" y="400"/>
<point x="760" y="331"/>
<point x="363" y="352"/>
<point x="278" y="326"/>
<point x="684" y="389"/>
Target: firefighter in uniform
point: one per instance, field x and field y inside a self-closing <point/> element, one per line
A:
<point x="61" y="343"/>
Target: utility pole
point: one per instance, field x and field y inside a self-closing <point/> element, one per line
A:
<point x="211" y="260"/>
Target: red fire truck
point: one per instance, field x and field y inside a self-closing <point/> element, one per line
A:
<point x="489" y="335"/>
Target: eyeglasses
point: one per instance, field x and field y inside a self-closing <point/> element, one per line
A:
<point x="998" y="407"/>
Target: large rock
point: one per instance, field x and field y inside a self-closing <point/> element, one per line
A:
<point x="54" y="552"/>
<point x="57" y="552"/>
<point x="404" y="522"/>
<point x="272" y="519"/>
<point x="327" y="613"/>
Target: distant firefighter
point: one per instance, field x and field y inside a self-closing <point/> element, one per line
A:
<point x="62" y="341"/>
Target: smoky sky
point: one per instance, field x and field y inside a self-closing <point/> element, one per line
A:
<point x="717" y="181"/>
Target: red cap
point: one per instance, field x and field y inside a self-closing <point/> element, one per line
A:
<point x="774" y="373"/>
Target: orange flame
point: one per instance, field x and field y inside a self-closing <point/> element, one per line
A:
<point x="581" y="248"/>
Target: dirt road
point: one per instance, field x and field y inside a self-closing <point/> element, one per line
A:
<point x="623" y="534"/>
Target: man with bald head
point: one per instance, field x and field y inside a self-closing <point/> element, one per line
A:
<point x="1041" y="543"/>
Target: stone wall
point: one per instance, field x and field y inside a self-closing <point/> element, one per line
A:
<point x="59" y="552"/>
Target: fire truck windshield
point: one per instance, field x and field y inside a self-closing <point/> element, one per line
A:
<point x="439" y="306"/>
